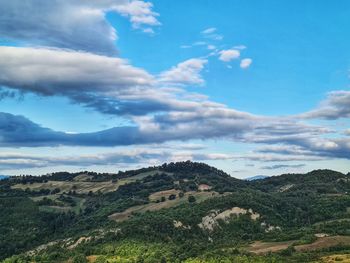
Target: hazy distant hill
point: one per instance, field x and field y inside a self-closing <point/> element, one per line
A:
<point x="256" y="177"/>
<point x="3" y="177"/>
<point x="176" y="212"/>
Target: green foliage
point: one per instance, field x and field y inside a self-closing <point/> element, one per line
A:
<point x="191" y="199"/>
<point x="79" y="259"/>
<point x="299" y="205"/>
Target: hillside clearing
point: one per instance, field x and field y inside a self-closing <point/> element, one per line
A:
<point x="260" y="247"/>
<point x="325" y="242"/>
<point x="81" y="185"/>
<point x="343" y="258"/>
<point x="154" y="206"/>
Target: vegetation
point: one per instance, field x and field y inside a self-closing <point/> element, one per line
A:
<point x="160" y="214"/>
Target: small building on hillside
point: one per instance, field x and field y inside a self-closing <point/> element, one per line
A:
<point x="204" y="187"/>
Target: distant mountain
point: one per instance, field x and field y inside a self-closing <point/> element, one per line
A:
<point x="3" y="177"/>
<point x="256" y="177"/>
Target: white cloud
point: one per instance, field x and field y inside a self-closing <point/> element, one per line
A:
<point x="240" y="47"/>
<point x="210" y="33"/>
<point x="335" y="106"/>
<point x="78" y="24"/>
<point x="199" y="43"/>
<point x="139" y="12"/>
<point x="94" y="81"/>
<point x="229" y="54"/>
<point x="148" y="31"/>
<point x="209" y="30"/>
<point x="245" y="63"/>
<point x="187" y="72"/>
<point x="13" y="161"/>
<point x="53" y="71"/>
<point x="185" y="46"/>
<point x="211" y="47"/>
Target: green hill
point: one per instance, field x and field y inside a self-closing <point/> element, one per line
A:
<point x="176" y="212"/>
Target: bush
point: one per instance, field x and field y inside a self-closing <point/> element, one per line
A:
<point x="79" y="259"/>
<point x="191" y="199"/>
<point x="172" y="197"/>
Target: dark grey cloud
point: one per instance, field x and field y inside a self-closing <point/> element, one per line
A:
<point x="282" y="166"/>
<point x="18" y="131"/>
<point x="5" y="93"/>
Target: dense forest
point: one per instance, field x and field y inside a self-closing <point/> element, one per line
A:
<point x="176" y="212"/>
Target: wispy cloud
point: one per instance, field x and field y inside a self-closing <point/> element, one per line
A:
<point x="282" y="166"/>
<point x="209" y="30"/>
<point x="14" y="161"/>
<point x="211" y="33"/>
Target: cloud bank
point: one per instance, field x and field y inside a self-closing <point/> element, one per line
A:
<point x="72" y="24"/>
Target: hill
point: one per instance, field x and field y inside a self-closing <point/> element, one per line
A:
<point x="176" y="212"/>
<point x="257" y="177"/>
<point x="319" y="181"/>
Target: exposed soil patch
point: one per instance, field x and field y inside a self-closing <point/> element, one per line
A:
<point x="338" y="258"/>
<point x="325" y="242"/>
<point x="260" y="247"/>
<point x="154" y="206"/>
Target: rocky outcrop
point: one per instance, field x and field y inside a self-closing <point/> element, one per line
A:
<point x="210" y="221"/>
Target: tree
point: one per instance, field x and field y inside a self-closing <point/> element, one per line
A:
<point x="79" y="259"/>
<point x="172" y="197"/>
<point x="191" y="199"/>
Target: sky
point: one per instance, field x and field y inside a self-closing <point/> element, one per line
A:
<point x="251" y="87"/>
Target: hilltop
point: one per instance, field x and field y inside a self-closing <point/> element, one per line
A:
<point x="178" y="211"/>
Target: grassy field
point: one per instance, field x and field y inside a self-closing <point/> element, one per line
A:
<point x="64" y="208"/>
<point x="325" y="242"/>
<point x="260" y="247"/>
<point x="337" y="258"/>
<point x="153" y="206"/>
<point x="81" y="185"/>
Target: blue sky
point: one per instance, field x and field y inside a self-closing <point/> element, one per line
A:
<point x="251" y="87"/>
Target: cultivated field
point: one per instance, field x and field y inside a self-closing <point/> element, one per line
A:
<point x="81" y="184"/>
<point x="260" y="247"/>
<point x="153" y="206"/>
<point x="337" y="258"/>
